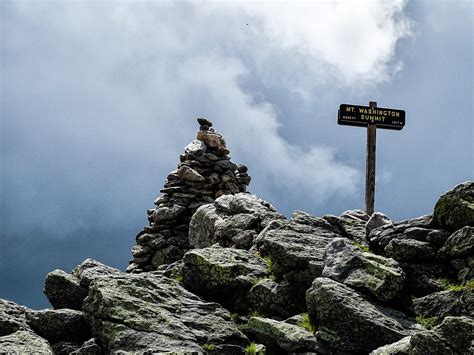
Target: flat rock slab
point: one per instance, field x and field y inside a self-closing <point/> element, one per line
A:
<point x="149" y="313"/>
<point x="348" y="322"/>
<point x="281" y="337"/>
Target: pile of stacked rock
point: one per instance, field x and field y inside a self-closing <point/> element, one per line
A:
<point x="204" y="173"/>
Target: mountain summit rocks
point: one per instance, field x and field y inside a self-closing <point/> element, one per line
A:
<point x="221" y="271"/>
<point x="204" y="174"/>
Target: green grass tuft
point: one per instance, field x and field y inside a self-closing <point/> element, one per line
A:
<point x="427" y="322"/>
<point x="179" y="278"/>
<point x="208" y="346"/>
<point x="306" y="323"/>
<point x="269" y="262"/>
<point x="251" y="349"/>
<point x="448" y="286"/>
<point x="361" y="246"/>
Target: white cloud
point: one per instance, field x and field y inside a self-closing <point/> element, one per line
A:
<point x="355" y="40"/>
<point x="125" y="80"/>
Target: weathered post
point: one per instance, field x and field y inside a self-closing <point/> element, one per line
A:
<point x="372" y="117"/>
<point x="370" y="165"/>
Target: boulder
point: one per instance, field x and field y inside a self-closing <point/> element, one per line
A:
<point x="12" y="317"/>
<point x="374" y="275"/>
<point x="295" y="254"/>
<point x="89" y="347"/>
<point x="350" y="224"/>
<point x="437" y="237"/>
<point x="423" y="278"/>
<point x="91" y="269"/>
<point x="24" y="342"/>
<point x="457" y="332"/>
<point x="459" y="245"/>
<point x="65" y="347"/>
<point x="150" y="313"/>
<point x="280" y="337"/>
<point x="222" y="274"/>
<point x="446" y="303"/>
<point x="59" y="325"/>
<point x="273" y="299"/>
<point x="201" y="227"/>
<point x="69" y="290"/>
<point x="416" y="228"/>
<point x="378" y="219"/>
<point x="400" y="347"/>
<point x="346" y="321"/>
<point x="63" y="290"/>
<point x="409" y="250"/>
<point x="455" y="209"/>
<point x="294" y="246"/>
<point x="464" y="269"/>
<point x="453" y="336"/>
<point x="225" y="221"/>
<point x="310" y="220"/>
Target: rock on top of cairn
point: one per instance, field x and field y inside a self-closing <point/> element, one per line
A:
<point x="211" y="137"/>
<point x="204" y="123"/>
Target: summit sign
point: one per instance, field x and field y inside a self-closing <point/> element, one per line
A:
<point x="372" y="117"/>
<point x="362" y="116"/>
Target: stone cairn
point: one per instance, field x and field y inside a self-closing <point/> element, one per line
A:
<point x="204" y="173"/>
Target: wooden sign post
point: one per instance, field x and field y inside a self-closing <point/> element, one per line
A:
<point x="372" y="117"/>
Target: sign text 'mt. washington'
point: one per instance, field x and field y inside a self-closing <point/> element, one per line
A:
<point x="353" y="115"/>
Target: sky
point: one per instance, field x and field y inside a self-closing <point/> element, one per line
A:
<point x="99" y="98"/>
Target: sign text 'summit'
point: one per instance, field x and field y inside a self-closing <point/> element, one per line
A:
<point x="353" y="115"/>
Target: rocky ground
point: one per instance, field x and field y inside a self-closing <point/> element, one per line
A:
<point x="249" y="280"/>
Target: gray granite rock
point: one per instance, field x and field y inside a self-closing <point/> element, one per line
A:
<point x="446" y="303"/>
<point x="63" y="290"/>
<point x="455" y="209"/>
<point x="281" y="337"/>
<point x="24" y="342"/>
<point x="459" y="245"/>
<point x="222" y="274"/>
<point x="150" y="313"/>
<point x="12" y="317"/>
<point x="59" y="325"/>
<point x="348" y="322"/>
<point x="379" y="277"/>
<point x="378" y="219"/>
